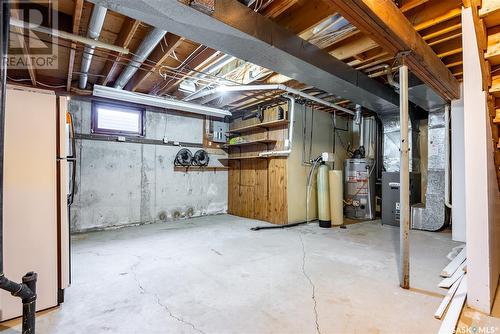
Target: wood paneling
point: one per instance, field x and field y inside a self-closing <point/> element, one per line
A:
<point x="258" y="186"/>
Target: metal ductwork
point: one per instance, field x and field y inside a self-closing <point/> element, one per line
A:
<point x="93" y="32"/>
<point x="147" y="46"/>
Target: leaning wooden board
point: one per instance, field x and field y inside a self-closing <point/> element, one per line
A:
<point x="447" y="299"/>
<point x="450" y="320"/>
<point x="447" y="282"/>
<point x="454" y="264"/>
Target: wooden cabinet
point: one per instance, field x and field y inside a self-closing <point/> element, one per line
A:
<point x="258" y="186"/>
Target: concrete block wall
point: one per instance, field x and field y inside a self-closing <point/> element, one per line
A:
<point x="124" y="183"/>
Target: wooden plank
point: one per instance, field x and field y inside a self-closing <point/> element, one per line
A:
<point x="493" y="51"/>
<point x="490" y="12"/>
<point x="447" y="299"/>
<point x="252" y="142"/>
<point x="23" y="42"/>
<point x="457" y="303"/>
<point x="361" y="44"/>
<point x="495" y="86"/>
<point x="454" y="264"/>
<point x="159" y="55"/>
<point x="278" y="8"/>
<point x="386" y="25"/>
<point x="269" y="124"/>
<point x="303" y="17"/>
<point x="127" y="32"/>
<point x="442" y="31"/>
<point x="197" y="60"/>
<point x="199" y="169"/>
<point x="447" y="282"/>
<point x="410" y="4"/>
<point x="455" y="12"/>
<point x="77" y="17"/>
<point x="445" y="38"/>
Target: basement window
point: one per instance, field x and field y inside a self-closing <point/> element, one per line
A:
<point x="116" y="119"/>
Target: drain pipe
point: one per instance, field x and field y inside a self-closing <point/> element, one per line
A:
<point x="27" y="289"/>
<point x="147" y="46"/>
<point x="289" y="140"/>
<point x="359" y="121"/>
<point x="244" y="88"/>
<point x="447" y="156"/>
<point x="93" y="32"/>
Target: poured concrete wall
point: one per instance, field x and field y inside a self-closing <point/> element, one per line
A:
<point x="123" y="183"/>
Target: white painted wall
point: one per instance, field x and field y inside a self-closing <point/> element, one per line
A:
<point x="458" y="170"/>
<point x="481" y="190"/>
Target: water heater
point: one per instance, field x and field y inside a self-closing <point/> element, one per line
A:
<point x="359" y="188"/>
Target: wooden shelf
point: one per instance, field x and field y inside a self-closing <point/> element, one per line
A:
<point x="244" y="158"/>
<point x="252" y="142"/>
<point x="265" y="125"/>
<point x="199" y="169"/>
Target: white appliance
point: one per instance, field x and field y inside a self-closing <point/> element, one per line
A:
<point x="35" y="229"/>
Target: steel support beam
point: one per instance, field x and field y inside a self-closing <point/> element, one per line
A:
<point x="404" y="181"/>
<point x="238" y="31"/>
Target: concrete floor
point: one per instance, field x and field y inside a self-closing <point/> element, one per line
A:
<point x="214" y="275"/>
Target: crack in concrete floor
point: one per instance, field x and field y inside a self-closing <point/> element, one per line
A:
<point x="158" y="300"/>
<point x="313" y="287"/>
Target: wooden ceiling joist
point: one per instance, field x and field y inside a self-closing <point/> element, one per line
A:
<point x="493" y="51"/>
<point x="384" y="22"/>
<point x="127" y="32"/>
<point x="455" y="12"/>
<point x="159" y="55"/>
<point x="360" y="45"/>
<point x="77" y="16"/>
<point x="490" y="12"/>
<point x="160" y="88"/>
<point x="442" y="31"/>
<point x="410" y="4"/>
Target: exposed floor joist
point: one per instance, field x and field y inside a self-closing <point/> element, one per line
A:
<point x="159" y="55"/>
<point x="231" y="29"/>
<point x="386" y="24"/>
<point x="130" y="26"/>
<point x="77" y="16"/>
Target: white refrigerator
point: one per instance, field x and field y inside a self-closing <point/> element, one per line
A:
<point x="36" y="187"/>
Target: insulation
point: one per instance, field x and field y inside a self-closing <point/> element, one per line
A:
<point x="391" y="144"/>
<point x="431" y="216"/>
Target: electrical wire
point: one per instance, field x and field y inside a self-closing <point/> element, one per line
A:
<point x="37" y="82"/>
<point x="128" y="61"/>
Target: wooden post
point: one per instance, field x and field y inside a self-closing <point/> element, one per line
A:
<point x="404" y="180"/>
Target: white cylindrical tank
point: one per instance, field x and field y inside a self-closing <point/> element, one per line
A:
<point x="323" y="197"/>
<point x="336" y="197"/>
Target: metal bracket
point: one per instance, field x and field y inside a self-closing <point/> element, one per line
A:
<point x="404" y="53"/>
<point x="400" y="56"/>
<point x="204" y="6"/>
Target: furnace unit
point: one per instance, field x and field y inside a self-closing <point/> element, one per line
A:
<point x="390" y="196"/>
